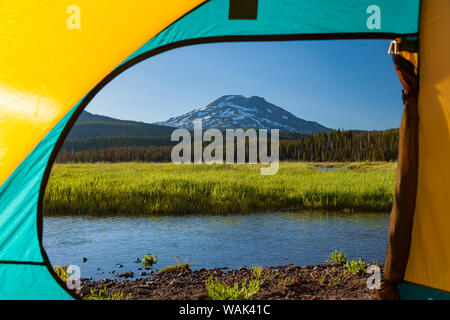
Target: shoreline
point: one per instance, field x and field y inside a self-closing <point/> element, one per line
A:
<point x="288" y="282"/>
<point x="213" y="214"/>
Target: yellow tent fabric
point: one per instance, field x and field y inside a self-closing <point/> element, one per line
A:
<point x="429" y="258"/>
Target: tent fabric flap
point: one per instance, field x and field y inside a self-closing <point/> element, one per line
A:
<point x="429" y="256"/>
<point x="406" y="179"/>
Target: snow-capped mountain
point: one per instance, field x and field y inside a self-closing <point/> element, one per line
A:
<point x="236" y="111"/>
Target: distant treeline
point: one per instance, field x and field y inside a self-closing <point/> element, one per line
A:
<point x="96" y="143"/>
<point x="334" y="146"/>
<point x="343" y="146"/>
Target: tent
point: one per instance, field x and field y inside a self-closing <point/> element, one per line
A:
<point x="56" y="55"/>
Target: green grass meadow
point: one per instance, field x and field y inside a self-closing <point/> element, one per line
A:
<point x="163" y="189"/>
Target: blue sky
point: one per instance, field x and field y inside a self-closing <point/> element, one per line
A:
<point x="349" y="84"/>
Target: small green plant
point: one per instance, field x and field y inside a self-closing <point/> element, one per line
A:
<point x="149" y="260"/>
<point x="257" y="272"/>
<point x="286" y="282"/>
<point x="103" y="294"/>
<point x="337" y="257"/>
<point x="355" y="266"/>
<point x="220" y="291"/>
<point x="269" y="275"/>
<point x="178" y="268"/>
<point x="61" y="272"/>
<point x="340" y="278"/>
<point x="322" y="279"/>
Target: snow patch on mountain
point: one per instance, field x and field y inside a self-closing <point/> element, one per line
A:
<point x="237" y="111"/>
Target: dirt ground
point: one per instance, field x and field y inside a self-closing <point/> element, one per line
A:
<point x="319" y="282"/>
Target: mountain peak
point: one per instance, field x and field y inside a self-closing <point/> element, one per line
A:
<point x="256" y="98"/>
<point x="237" y="111"/>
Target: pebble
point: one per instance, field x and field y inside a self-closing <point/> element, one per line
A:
<point x="317" y="269"/>
<point x="175" y="283"/>
<point x="126" y="274"/>
<point x="290" y="268"/>
<point x="83" y="290"/>
<point x="141" y="286"/>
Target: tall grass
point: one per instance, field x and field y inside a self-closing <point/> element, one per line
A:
<point x="156" y="188"/>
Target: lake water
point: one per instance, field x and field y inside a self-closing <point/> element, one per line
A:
<point x="280" y="238"/>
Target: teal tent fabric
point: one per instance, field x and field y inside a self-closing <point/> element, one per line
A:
<point x="31" y="282"/>
<point x="24" y="269"/>
<point x="409" y="291"/>
<point x="19" y="201"/>
<point x="19" y="228"/>
<point x="327" y="18"/>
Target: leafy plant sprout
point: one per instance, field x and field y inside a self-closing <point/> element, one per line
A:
<point x="149" y="260"/>
<point x="178" y="267"/>
<point x="220" y="291"/>
<point x="61" y="272"/>
<point x="355" y="266"/>
<point x="337" y="257"/>
<point x="257" y="272"/>
<point x="103" y="294"/>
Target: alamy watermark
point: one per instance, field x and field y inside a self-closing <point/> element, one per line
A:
<point x="374" y="20"/>
<point x="374" y="281"/>
<point x="73" y="22"/>
<point x="235" y="147"/>
<point x="73" y="281"/>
